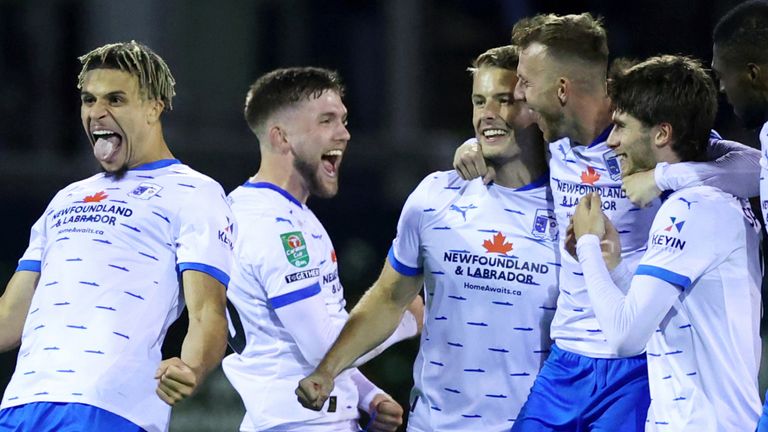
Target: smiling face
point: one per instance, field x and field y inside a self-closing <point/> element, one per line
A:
<point x="317" y="133"/>
<point x="495" y="113"/>
<point x="537" y="86"/>
<point x="631" y="140"/>
<point x="117" y="119"/>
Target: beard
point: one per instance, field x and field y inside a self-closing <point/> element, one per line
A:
<point x="117" y="174"/>
<point x="310" y="172"/>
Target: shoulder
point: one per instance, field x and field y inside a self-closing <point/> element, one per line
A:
<point x="261" y="213"/>
<point x="183" y="175"/>
<point x="706" y="206"/>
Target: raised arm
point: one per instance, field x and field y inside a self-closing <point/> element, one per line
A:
<point x="731" y="167"/>
<point x="627" y="320"/>
<point x="372" y="320"/>
<point x="204" y="343"/>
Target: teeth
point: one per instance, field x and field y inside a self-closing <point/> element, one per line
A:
<point x="494" y="132"/>
<point x="333" y="153"/>
<point x="103" y="133"/>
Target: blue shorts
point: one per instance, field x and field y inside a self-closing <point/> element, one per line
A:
<point x="62" y="417"/>
<point x="576" y="393"/>
<point x="762" y="425"/>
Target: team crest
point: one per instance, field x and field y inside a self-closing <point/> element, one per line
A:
<point x="145" y="191"/>
<point x="613" y="165"/>
<point x="295" y="248"/>
<point x="545" y="225"/>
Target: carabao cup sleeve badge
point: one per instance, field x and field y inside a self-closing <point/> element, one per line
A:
<point x="295" y="248"/>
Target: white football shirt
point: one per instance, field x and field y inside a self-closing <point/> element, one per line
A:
<point x="764" y="173"/>
<point x="490" y="264"/>
<point x="576" y="170"/>
<point x="110" y="253"/>
<point x="283" y="255"/>
<point x="704" y="358"/>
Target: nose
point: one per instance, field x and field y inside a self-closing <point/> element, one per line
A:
<point x="613" y="139"/>
<point x="344" y="134"/>
<point x="97" y="110"/>
<point x="519" y="92"/>
<point x="490" y="110"/>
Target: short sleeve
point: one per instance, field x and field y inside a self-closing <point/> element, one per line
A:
<point x="206" y="233"/>
<point x="682" y="245"/>
<point x="404" y="254"/>
<point x="32" y="258"/>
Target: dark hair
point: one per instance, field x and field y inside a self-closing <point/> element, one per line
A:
<point x="503" y="57"/>
<point x="155" y="79"/>
<point x="581" y="36"/>
<point x="742" y="33"/>
<point x="285" y="87"/>
<point x="670" y="89"/>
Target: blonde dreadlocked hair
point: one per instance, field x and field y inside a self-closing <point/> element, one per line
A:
<point x="155" y="79"/>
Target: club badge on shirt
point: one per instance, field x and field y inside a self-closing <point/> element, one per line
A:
<point x="145" y="191"/>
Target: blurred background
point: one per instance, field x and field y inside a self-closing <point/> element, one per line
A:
<point x="408" y="94"/>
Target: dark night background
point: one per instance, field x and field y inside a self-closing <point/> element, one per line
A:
<point x="408" y="94"/>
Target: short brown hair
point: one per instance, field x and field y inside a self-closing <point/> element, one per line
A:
<point x="581" y="36"/>
<point x="282" y="88"/>
<point x="503" y="57"/>
<point x="670" y="89"/>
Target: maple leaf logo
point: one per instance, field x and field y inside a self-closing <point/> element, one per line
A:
<point x="97" y="197"/>
<point x="590" y="176"/>
<point x="498" y="245"/>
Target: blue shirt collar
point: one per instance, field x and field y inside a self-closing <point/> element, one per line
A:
<point x="162" y="163"/>
<point x="276" y="188"/>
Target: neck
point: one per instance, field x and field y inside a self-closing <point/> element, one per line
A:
<point x="529" y="165"/>
<point x="155" y="149"/>
<point x="591" y="115"/>
<point x="278" y="169"/>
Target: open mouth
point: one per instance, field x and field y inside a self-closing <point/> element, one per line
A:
<point x="106" y="144"/>
<point x="331" y="161"/>
<point x="494" y="133"/>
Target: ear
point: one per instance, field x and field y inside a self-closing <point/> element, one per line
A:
<point x="278" y="139"/>
<point x="156" y="107"/>
<point x="563" y="86"/>
<point x="756" y="77"/>
<point x="662" y="135"/>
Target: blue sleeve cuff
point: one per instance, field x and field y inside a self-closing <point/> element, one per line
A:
<point x="400" y="267"/>
<point x="207" y="269"/>
<point x="660" y="273"/>
<point x="294" y="296"/>
<point x="29" y="265"/>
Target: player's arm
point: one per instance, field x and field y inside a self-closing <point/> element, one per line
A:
<point x="305" y="316"/>
<point x="372" y="320"/>
<point x="204" y="343"/>
<point x="469" y="162"/>
<point x="14" y="307"/>
<point x="627" y="320"/>
<point x="731" y="167"/>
